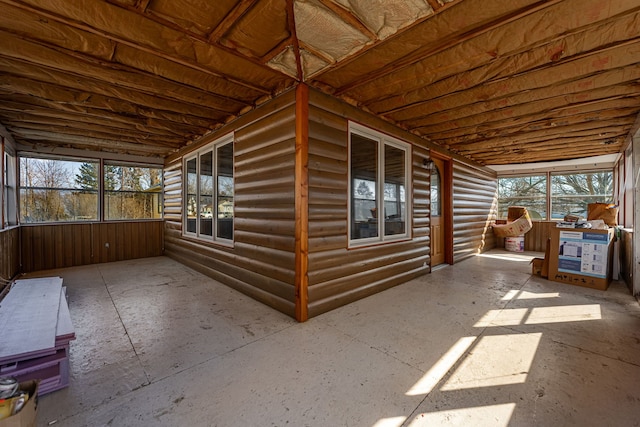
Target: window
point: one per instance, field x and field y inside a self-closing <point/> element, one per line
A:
<point x="209" y="190"/>
<point x="132" y="192"/>
<point x="527" y="191"/>
<point x="554" y="195"/>
<point x="51" y="190"/>
<point x="571" y="193"/>
<point x="10" y="201"/>
<point x="378" y="178"/>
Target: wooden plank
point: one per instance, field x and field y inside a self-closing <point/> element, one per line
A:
<point x="302" y="203"/>
<point x="29" y="318"/>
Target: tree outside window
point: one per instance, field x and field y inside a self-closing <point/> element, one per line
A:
<point x="49" y="193"/>
<point x="527" y="191"/>
<point x="571" y="193"/>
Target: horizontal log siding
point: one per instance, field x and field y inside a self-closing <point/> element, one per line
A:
<point x="338" y="275"/>
<point x="49" y="246"/>
<point x="10" y="250"/>
<point x="173" y="195"/>
<point x="474" y="209"/>
<point x="261" y="262"/>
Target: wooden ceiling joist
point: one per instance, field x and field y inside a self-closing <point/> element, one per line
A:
<point x="495" y="81"/>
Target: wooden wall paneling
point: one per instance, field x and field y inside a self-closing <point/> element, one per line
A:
<point x="173" y="194"/>
<point x="10" y="250"/>
<point x="421" y="193"/>
<point x="58" y="244"/>
<point x="49" y="246"/>
<point x="536" y="238"/>
<point x="474" y="209"/>
<point x="338" y="275"/>
<point x="261" y="263"/>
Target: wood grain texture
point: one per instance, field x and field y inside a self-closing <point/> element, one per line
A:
<point x="49" y="246"/>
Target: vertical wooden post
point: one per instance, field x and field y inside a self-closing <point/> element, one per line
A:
<point x="302" y="202"/>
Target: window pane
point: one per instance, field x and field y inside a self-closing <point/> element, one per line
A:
<point x="364" y="172"/>
<point x="224" y="168"/>
<point x="58" y="190"/>
<point x="436" y="206"/>
<point x="191" y="198"/>
<point x="132" y="192"/>
<point x="571" y="193"/>
<point x="205" y="208"/>
<point x="394" y="170"/>
<point x="527" y="191"/>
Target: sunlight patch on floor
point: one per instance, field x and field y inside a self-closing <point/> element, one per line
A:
<point x="390" y="422"/>
<point x="520" y="295"/>
<point x="496" y="360"/>
<point x="507" y="257"/>
<point x="490" y="415"/>
<point x="564" y="313"/>
<point x="441" y="367"/>
<point x="539" y="315"/>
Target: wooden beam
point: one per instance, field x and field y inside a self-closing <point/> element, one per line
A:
<point x="22" y="57"/>
<point x="21" y="108"/>
<point x="86" y="89"/>
<point x="434" y="5"/>
<point x="291" y="21"/>
<point x="443" y="44"/>
<point x="229" y="21"/>
<point x="142" y="5"/>
<point x="349" y="18"/>
<point x="444" y="73"/>
<point x="302" y="203"/>
<point x="163" y="48"/>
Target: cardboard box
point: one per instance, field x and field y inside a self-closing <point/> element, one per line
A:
<point x="536" y="266"/>
<point x="27" y="416"/>
<point x="581" y="257"/>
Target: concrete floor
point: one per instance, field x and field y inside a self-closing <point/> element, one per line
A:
<point x="479" y="343"/>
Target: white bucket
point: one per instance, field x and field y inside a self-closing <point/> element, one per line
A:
<point x="514" y="244"/>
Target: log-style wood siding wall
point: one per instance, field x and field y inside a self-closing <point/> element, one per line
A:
<point x="338" y="275"/>
<point x="474" y="209"/>
<point x="262" y="262"/>
<point x="10" y="250"/>
<point x="49" y="246"/>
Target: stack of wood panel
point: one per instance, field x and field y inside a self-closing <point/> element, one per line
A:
<point x="35" y="332"/>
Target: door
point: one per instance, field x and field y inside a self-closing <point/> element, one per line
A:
<point x="437" y="218"/>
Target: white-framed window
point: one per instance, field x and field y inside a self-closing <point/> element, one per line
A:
<point x="209" y="188"/>
<point x="379" y="180"/>
<point x="132" y="191"/>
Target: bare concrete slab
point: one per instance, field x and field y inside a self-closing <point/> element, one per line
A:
<point x="479" y="343"/>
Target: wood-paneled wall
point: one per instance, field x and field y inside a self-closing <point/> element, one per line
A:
<point x="49" y="246"/>
<point x="10" y="253"/>
<point x="261" y="261"/>
<point x="338" y="275"/>
<point x="536" y="238"/>
<point x="626" y="257"/>
<point x="474" y="209"/>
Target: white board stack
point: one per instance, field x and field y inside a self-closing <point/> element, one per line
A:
<point x="35" y="332"/>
